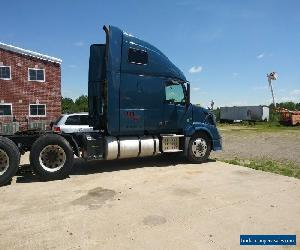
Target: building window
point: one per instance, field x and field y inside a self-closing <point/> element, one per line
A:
<point x="5" y="72"/>
<point x="137" y="56"/>
<point x="5" y="109"/>
<point x="37" y="75"/>
<point x="36" y="110"/>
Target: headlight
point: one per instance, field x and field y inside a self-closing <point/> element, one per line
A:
<point x="210" y="119"/>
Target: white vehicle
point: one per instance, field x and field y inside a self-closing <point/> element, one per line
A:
<point x="72" y="123"/>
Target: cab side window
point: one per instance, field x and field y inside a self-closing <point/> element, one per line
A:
<point x="174" y="93"/>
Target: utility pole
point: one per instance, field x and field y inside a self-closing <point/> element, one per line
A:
<point x="212" y="103"/>
<point x="271" y="77"/>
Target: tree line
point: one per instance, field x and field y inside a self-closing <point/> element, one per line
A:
<point x="68" y="105"/>
<point x="287" y="105"/>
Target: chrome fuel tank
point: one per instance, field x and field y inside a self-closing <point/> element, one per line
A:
<point x="130" y="147"/>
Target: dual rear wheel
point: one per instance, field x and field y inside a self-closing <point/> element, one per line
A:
<point x="51" y="157"/>
<point x="9" y="160"/>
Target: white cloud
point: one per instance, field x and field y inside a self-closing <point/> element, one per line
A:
<point x="196" y="89"/>
<point x="295" y="92"/>
<point x="234" y="103"/>
<point x="239" y="103"/>
<point x="260" y="56"/>
<point x="79" y="44"/>
<point x="287" y="99"/>
<point x="294" y="96"/>
<point x="195" y="69"/>
<point x="73" y="93"/>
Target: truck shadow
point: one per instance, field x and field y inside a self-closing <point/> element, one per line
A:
<point x="82" y="167"/>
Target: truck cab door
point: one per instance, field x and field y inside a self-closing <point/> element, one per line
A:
<point x="174" y="117"/>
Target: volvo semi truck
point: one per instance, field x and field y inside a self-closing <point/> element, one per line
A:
<point x="139" y="105"/>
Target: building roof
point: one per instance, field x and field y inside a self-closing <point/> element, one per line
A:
<point x="29" y="53"/>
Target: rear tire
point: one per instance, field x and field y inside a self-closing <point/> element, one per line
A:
<point x="9" y="160"/>
<point x="51" y="157"/>
<point x="199" y="148"/>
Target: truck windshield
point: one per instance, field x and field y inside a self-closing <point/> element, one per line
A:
<point x="174" y="93"/>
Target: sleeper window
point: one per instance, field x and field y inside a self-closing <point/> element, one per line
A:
<point x="137" y="56"/>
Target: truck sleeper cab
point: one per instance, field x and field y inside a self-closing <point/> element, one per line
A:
<point x="139" y="105"/>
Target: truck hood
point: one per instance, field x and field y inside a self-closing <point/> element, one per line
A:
<point x="203" y="115"/>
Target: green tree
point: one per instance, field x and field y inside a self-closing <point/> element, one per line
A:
<point x="81" y="103"/>
<point x="217" y="113"/>
<point x="67" y="105"/>
<point x="287" y="105"/>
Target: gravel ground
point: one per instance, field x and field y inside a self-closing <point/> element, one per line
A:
<point x="251" y="144"/>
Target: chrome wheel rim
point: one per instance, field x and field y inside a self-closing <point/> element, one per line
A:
<point x="4" y="161"/>
<point x="199" y="147"/>
<point x="52" y="158"/>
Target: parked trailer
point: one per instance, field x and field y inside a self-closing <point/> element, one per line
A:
<point x="244" y="113"/>
<point x="139" y="105"/>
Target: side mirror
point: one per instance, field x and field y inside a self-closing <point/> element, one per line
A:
<point x="188" y="94"/>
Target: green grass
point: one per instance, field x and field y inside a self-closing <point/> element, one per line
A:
<point x="288" y="169"/>
<point x="258" y="127"/>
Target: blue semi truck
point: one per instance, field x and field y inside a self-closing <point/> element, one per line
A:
<point x="139" y="105"/>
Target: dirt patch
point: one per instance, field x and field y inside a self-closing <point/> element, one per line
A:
<point x="95" y="198"/>
<point x="154" y="220"/>
<point x="250" y="144"/>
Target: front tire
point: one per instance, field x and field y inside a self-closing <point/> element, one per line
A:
<point x="51" y="157"/>
<point x="199" y="148"/>
<point x="9" y="160"/>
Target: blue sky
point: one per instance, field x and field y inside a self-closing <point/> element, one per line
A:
<point x="225" y="48"/>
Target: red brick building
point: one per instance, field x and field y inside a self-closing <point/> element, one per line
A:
<point x="30" y="89"/>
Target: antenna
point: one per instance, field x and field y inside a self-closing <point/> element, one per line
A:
<point x="271" y="77"/>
